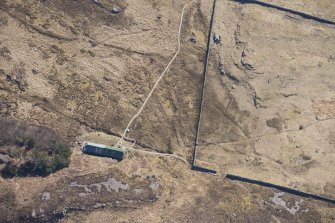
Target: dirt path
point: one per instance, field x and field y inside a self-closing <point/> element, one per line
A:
<point x="156" y="84"/>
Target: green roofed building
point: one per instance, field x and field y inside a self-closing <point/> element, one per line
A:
<point x="104" y="150"/>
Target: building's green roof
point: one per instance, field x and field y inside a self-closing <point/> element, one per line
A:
<point x="106" y="147"/>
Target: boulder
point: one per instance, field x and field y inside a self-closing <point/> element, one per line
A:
<point x="116" y="9"/>
<point x="217" y="39"/>
<point x="193" y="39"/>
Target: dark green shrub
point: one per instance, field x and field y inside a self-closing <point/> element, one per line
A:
<point x="40" y="150"/>
<point x="39" y="163"/>
<point x="19" y="141"/>
<point x="63" y="151"/>
<point x="61" y="156"/>
<point x="9" y="171"/>
<point x="30" y="143"/>
<point x="60" y="162"/>
<point x="26" y="168"/>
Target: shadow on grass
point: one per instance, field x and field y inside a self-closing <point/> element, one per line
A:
<point x="281" y="188"/>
